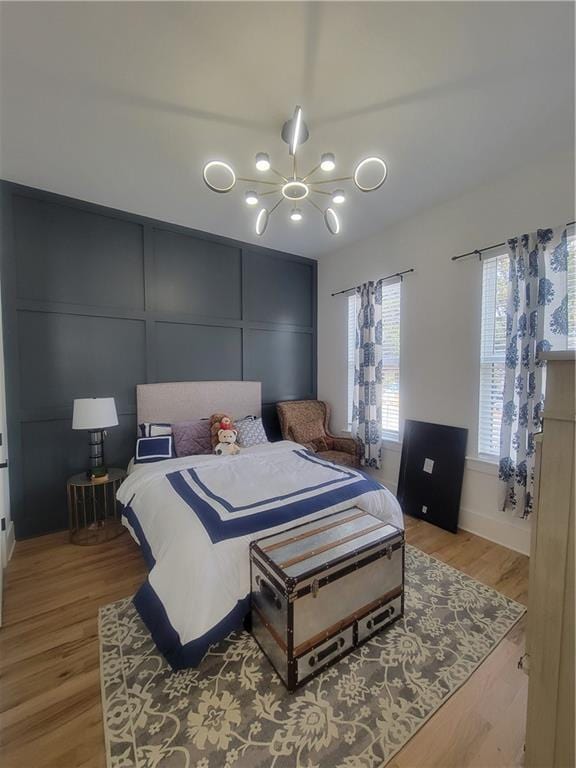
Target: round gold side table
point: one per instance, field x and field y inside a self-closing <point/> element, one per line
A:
<point x="94" y="513"/>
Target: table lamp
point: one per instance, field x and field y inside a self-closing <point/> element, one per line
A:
<point x="95" y="414"/>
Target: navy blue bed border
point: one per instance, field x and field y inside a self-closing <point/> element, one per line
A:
<point x="154" y="616"/>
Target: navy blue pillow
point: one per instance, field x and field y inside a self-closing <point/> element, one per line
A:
<point x="150" y="449"/>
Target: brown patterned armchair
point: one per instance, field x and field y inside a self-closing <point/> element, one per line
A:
<point x="306" y="422"/>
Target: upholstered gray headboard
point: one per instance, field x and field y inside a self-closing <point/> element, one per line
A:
<point x="183" y="400"/>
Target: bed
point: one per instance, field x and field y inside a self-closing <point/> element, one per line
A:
<point x="194" y="517"/>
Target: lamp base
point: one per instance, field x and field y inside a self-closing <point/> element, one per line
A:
<point x="99" y="480"/>
<point x="97" y="469"/>
<point x="97" y="473"/>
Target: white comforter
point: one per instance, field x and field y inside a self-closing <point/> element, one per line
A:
<point x="194" y="518"/>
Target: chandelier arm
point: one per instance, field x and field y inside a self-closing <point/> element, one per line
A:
<point x="333" y="181"/>
<point x="312" y="172"/>
<point x="271" y="211"/>
<point x="281" y="175"/>
<point x="269" y="192"/>
<point x="320" y="192"/>
<point x="257" y="181"/>
<point x="309" y="200"/>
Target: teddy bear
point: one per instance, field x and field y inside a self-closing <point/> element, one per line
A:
<point x="227" y="439"/>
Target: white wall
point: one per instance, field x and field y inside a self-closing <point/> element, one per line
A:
<point x="441" y="304"/>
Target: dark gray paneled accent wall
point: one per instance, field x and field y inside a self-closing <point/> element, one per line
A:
<point x="96" y="300"/>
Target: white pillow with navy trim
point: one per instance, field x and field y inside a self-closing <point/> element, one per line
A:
<point x="150" y="449"/>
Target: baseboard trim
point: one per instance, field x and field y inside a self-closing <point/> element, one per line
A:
<point x="504" y="532"/>
<point x="499" y="530"/>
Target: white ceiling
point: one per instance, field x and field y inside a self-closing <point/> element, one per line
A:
<point x="122" y="103"/>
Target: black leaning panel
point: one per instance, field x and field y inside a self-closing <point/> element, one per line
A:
<point x="282" y="361"/>
<point x="278" y="291"/>
<point x="85" y="258"/>
<point x="67" y="356"/>
<point x="198" y="352"/>
<point x="97" y="300"/>
<point x="196" y="276"/>
<point x="431" y="472"/>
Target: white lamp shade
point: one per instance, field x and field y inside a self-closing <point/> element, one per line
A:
<point x="94" y="413"/>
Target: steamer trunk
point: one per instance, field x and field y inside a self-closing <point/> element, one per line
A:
<point x="321" y="589"/>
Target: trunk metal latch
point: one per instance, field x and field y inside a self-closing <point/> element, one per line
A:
<point x="389" y="552"/>
<point x="314" y="588"/>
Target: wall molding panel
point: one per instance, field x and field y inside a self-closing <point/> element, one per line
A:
<point x="96" y="300"/>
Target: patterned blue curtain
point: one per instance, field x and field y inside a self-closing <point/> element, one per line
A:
<point x="536" y="321"/>
<point x="367" y="402"/>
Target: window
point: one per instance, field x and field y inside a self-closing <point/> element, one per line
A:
<point x="493" y="342"/>
<point x="390" y="358"/>
<point x="492" y="352"/>
<point x="352" y="315"/>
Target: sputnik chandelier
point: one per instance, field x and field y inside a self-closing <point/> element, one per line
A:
<point x="368" y="176"/>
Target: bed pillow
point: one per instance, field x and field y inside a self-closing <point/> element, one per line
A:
<point x="192" y="438"/>
<point x="251" y="432"/>
<point x="154" y="429"/>
<point x="149" y="449"/>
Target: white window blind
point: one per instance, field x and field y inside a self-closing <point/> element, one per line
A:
<point x="492" y="352"/>
<point x="352" y="318"/>
<point x="390" y="358"/>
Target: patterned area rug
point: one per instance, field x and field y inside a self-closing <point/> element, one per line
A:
<point x="233" y="710"/>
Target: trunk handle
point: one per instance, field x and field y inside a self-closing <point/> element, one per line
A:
<point x="269" y="592"/>
<point x="325" y="652"/>
<point x="379" y="617"/>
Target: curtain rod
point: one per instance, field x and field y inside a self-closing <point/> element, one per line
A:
<point x="479" y="251"/>
<point x="395" y="274"/>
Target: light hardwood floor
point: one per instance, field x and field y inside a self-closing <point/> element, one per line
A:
<point x="50" y="712"/>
